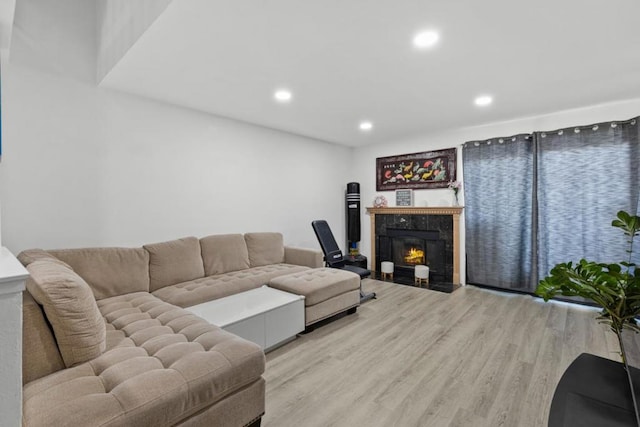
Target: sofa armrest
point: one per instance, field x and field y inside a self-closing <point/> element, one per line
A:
<point x="302" y="256"/>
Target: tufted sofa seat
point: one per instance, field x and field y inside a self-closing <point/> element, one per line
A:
<point x="161" y="364"/>
<point x="194" y="292"/>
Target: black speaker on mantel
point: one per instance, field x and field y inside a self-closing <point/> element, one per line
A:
<point x="353" y="214"/>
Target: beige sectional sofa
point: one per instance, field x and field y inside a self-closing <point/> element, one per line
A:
<point x="106" y="341"/>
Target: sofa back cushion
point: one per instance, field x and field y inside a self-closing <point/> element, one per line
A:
<point x="264" y="248"/>
<point x="70" y="308"/>
<point x="109" y="271"/>
<point x="175" y="261"/>
<point x="224" y="253"/>
<point x="40" y="354"/>
<point x="28" y="256"/>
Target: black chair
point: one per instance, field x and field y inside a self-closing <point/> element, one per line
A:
<point x="333" y="255"/>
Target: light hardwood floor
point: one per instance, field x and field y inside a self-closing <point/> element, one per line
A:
<point x="415" y="357"/>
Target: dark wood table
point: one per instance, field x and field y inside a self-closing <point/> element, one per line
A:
<point x="594" y="391"/>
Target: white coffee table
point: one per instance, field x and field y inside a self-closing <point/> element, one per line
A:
<point x="268" y="317"/>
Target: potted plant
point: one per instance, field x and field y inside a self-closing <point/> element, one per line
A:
<point x="614" y="287"/>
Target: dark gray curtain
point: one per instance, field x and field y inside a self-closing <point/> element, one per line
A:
<point x="532" y="201"/>
<point x="498" y="194"/>
<point x="585" y="176"/>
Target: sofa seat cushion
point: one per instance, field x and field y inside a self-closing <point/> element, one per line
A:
<point x="174" y="262"/>
<point x="206" y="289"/>
<point x="167" y="366"/>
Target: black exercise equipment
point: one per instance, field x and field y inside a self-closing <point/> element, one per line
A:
<point x="333" y="255"/>
<point x="353" y="215"/>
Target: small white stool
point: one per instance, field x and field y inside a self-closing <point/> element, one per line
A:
<point x="386" y="268"/>
<point x="422" y="275"/>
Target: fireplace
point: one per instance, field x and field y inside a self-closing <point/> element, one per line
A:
<point x="410" y="236"/>
<point x="407" y="248"/>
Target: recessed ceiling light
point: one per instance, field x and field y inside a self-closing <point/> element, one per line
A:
<point x="283" y="95"/>
<point x="425" y="39"/>
<point x="366" y="125"/>
<point x="483" y="101"/>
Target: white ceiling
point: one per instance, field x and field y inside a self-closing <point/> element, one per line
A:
<point x="348" y="60"/>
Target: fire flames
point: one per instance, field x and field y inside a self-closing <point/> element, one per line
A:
<point x="414" y="256"/>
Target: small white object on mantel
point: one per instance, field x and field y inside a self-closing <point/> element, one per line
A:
<point x="12" y="279"/>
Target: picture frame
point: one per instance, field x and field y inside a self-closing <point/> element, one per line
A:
<point x="425" y="170"/>
<point x="404" y="197"/>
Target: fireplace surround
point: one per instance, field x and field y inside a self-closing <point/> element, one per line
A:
<point x="410" y="236"/>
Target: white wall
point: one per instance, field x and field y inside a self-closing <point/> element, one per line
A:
<point x="86" y="166"/>
<point x="4" y="57"/>
<point x="365" y="173"/>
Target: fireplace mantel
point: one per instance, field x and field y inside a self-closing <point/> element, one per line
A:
<point x="415" y="210"/>
<point x="454" y="211"/>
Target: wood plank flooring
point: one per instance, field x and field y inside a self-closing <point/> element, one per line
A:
<point x="415" y="357"/>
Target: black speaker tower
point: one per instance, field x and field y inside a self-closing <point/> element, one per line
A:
<point x="353" y="217"/>
<point x="353" y="234"/>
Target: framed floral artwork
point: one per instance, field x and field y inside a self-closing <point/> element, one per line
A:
<point x="429" y="169"/>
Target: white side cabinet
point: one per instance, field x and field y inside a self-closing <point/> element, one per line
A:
<point x="12" y="278"/>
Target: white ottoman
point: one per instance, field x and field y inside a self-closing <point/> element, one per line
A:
<point x="386" y="268"/>
<point x="421" y="274"/>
